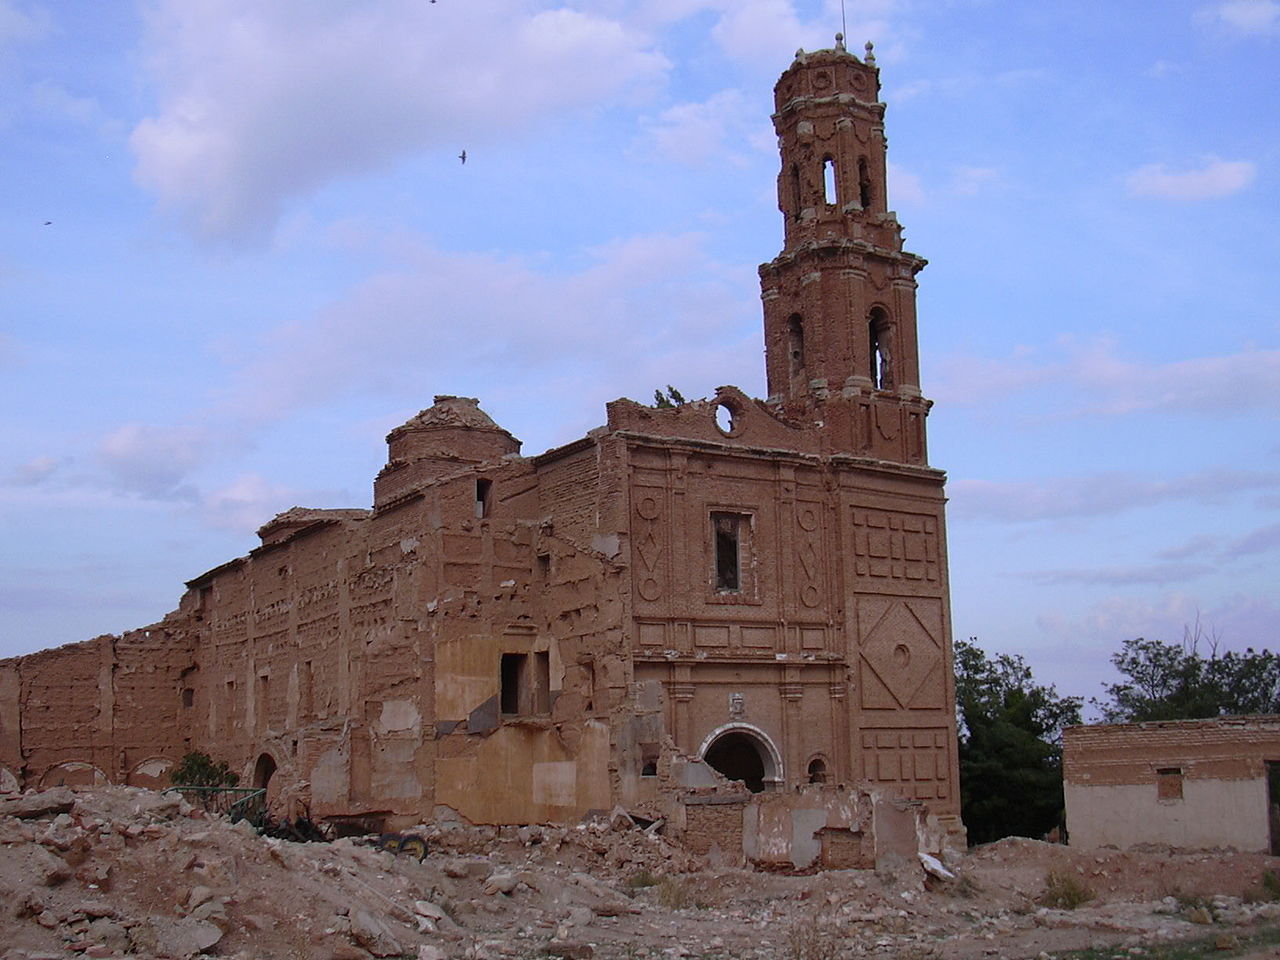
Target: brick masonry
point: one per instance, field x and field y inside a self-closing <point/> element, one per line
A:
<point x="532" y="638"/>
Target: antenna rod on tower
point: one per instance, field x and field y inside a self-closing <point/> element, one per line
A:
<point x="844" y="27"/>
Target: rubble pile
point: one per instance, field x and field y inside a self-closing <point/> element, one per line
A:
<point x="120" y="871"/>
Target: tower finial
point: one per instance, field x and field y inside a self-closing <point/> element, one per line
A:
<point x="870" y="57"/>
<point x="839" y="41"/>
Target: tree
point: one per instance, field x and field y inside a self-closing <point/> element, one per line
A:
<point x="672" y="398"/>
<point x="1170" y="681"/>
<point x="1010" y="747"/>
<point x="199" y="770"/>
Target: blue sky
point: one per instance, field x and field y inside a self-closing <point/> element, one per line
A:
<point x="263" y="254"/>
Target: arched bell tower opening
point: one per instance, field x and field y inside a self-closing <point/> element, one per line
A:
<point x="743" y="752"/>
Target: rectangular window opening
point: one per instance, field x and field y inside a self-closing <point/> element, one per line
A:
<point x="1168" y="783"/>
<point x="188" y="698"/>
<point x="484" y="497"/>
<point x="544" y="566"/>
<point x="526" y="684"/>
<point x="727" y="529"/>
<point x="513" y="668"/>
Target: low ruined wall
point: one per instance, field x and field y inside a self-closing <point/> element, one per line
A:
<point x="1211" y="813"/>
<point x="1186" y="783"/>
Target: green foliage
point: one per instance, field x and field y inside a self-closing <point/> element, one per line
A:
<point x="1010" y="746"/>
<point x="199" y="770"/>
<point x="1169" y="681"/>
<point x="1064" y="892"/>
<point x="672" y="398"/>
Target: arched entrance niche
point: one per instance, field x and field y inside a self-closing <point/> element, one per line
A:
<point x="73" y="773"/>
<point x="263" y="771"/>
<point x="152" y="773"/>
<point x="742" y="751"/>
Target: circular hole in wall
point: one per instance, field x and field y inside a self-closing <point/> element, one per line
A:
<point x="725" y="419"/>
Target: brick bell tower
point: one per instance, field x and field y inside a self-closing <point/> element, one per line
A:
<point x="839" y="300"/>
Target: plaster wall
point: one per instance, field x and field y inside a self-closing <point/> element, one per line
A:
<point x="1212" y="813"/>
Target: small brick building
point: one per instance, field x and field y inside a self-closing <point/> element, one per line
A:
<point x="1182" y="783"/>
<point x="726" y="590"/>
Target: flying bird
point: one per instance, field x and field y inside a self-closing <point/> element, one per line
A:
<point x="463" y="156"/>
<point x="48" y="223"/>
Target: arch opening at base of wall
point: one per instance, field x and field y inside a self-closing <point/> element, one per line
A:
<point x="263" y="770"/>
<point x="743" y="752"/>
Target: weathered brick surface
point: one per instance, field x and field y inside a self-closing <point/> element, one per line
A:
<point x="530" y="639"/>
<point x="1226" y="748"/>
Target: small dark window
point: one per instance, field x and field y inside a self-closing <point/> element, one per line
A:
<point x="727" y="527"/>
<point x="864" y="184"/>
<point x="544" y="566"/>
<point x="650" y="769"/>
<point x="1169" y="783"/>
<point x="484" y="497"/>
<point x="188" y="698"/>
<point x="513" y="667"/>
<point x="817" y="770"/>
<point x="526" y="684"/>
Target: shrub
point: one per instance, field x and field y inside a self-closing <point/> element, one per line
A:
<point x="199" y="770"/>
<point x="1064" y="892"/>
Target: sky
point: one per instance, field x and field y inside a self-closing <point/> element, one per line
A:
<point x="237" y="246"/>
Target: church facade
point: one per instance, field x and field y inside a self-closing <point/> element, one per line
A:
<point x="726" y="601"/>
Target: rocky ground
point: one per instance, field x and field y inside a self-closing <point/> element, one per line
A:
<point x="120" y="871"/>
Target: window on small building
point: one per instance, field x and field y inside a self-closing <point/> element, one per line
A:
<point x="1168" y="783"/>
<point x="484" y="497"/>
<point x="727" y="530"/>
<point x="513" y="668"/>
<point x="817" y="770"/>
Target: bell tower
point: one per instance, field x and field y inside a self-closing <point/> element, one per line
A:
<point x="839" y="300"/>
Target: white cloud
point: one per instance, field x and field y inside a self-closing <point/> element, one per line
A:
<point x="248" y="502"/>
<point x="1236" y="383"/>
<point x="710" y="131"/>
<point x="1218" y="178"/>
<point x="1237" y="621"/>
<point x="1159" y="574"/>
<point x="969" y="180"/>
<point x="35" y="472"/>
<point x="261" y="103"/>
<point x="1020" y="501"/>
<point x="153" y="461"/>
<point x="647" y="311"/>
<point x="1248" y="17"/>
<point x="17" y="24"/>
<point x="904" y="187"/>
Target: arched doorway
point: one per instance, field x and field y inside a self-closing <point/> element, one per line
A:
<point x="263" y="771"/>
<point x="743" y="752"/>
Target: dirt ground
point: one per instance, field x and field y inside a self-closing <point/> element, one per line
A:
<point x="119" y="871"/>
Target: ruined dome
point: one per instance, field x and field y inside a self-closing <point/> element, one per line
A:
<point x="453" y="428"/>
<point x="453" y="433"/>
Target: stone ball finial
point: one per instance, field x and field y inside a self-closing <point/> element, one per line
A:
<point x="870" y="56"/>
<point x="799" y="52"/>
<point x="839" y="41"/>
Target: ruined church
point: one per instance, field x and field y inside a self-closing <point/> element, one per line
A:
<point x="729" y="614"/>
